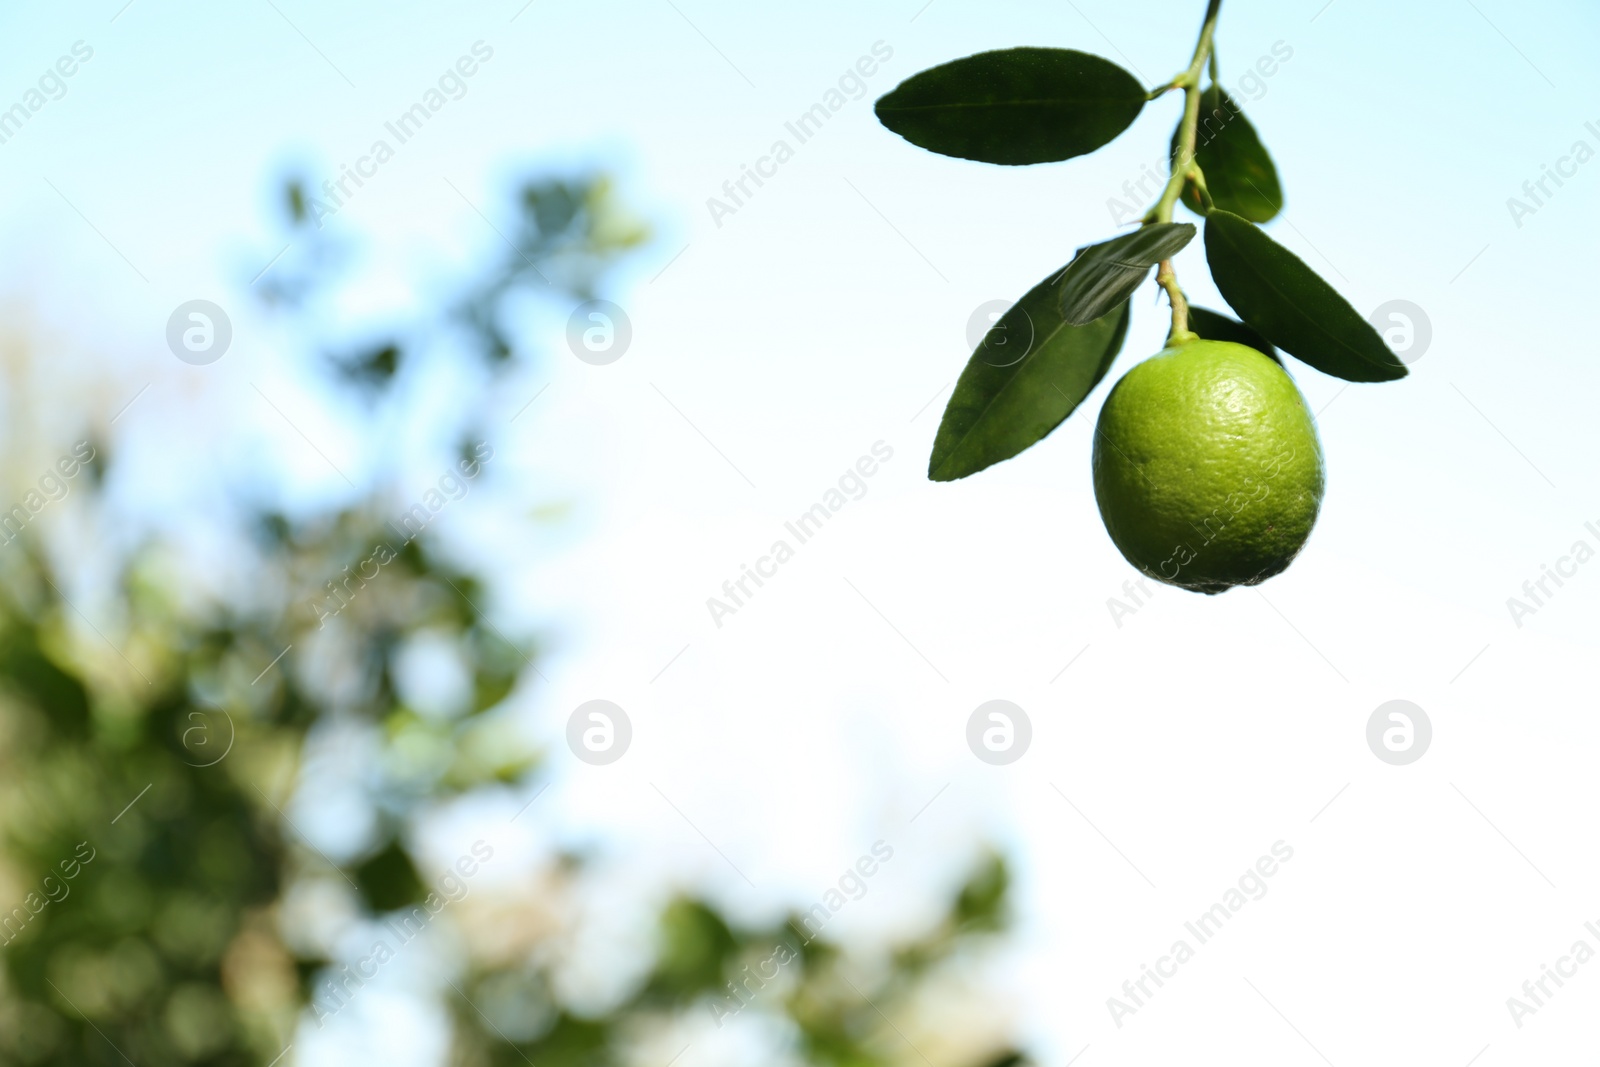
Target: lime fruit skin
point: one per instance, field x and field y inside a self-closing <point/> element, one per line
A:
<point x="1207" y="467"/>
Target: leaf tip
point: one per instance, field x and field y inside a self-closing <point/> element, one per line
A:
<point x="939" y="470"/>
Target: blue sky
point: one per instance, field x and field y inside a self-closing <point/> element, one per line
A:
<point x="775" y="346"/>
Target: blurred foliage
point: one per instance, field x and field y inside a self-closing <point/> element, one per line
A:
<point x="159" y="902"/>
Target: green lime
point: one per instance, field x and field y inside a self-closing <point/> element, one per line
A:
<point x="1207" y="467"/>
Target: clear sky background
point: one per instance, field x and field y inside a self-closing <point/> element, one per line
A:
<point x="829" y="313"/>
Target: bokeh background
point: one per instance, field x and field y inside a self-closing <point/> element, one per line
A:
<point x="218" y="794"/>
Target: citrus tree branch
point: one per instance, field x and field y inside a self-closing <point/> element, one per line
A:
<point x="1184" y="167"/>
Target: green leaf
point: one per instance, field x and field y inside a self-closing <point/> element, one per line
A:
<point x="1016" y="106"/>
<point x="1030" y="371"/>
<point x="1104" y="275"/>
<point x="1273" y="291"/>
<point x="1240" y="175"/>
<point x="1215" y="326"/>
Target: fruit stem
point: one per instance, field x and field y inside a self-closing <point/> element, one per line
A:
<point x="1168" y="280"/>
<point x="1184" y="167"/>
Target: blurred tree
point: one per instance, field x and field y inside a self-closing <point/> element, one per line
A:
<point x="160" y="905"/>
